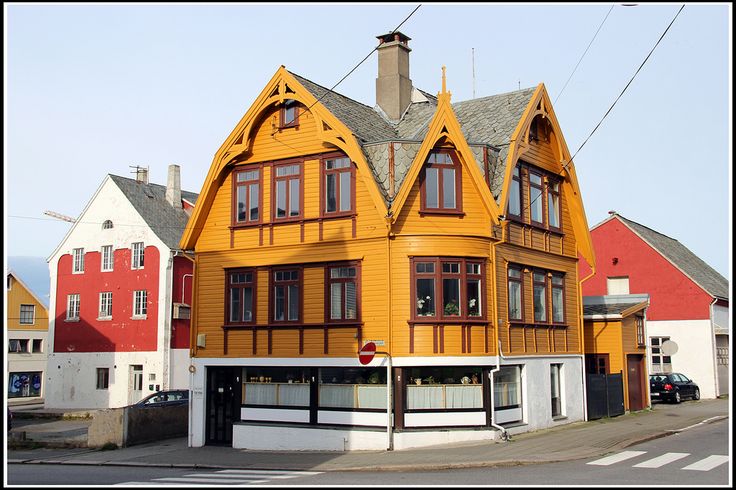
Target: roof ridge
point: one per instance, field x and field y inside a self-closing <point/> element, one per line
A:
<point x="494" y="95"/>
<point x="148" y="183"/>
<point x="331" y="90"/>
<point x="648" y="228"/>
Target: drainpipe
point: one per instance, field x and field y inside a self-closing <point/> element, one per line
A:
<point x="715" y="347"/>
<point x="168" y="305"/>
<point x="504" y="227"/>
<point x="389" y="373"/>
<point x="582" y="333"/>
<point x="504" y="434"/>
<point x="190" y="435"/>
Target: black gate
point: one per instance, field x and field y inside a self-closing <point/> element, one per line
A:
<point x="605" y="395"/>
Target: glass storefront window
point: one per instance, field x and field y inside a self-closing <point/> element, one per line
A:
<point x="276" y="386"/>
<point x="507" y="387"/>
<point x="352" y="388"/>
<point x="443" y="388"/>
<point x="24" y="384"/>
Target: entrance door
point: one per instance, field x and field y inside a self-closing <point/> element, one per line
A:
<point x="636" y="384"/>
<point x="135" y="384"/>
<point x="223" y="403"/>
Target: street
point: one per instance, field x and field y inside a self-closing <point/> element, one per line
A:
<point x="697" y="456"/>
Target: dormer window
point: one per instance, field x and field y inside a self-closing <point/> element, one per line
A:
<point x="534" y="197"/>
<point x="441" y="186"/>
<point x="107" y="225"/>
<point x="289" y="114"/>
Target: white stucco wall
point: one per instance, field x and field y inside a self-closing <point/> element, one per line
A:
<point x="720" y="317"/>
<point x="73" y="389"/>
<point x="695" y="355"/>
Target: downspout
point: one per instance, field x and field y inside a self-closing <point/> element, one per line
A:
<point x="168" y="305"/>
<point x="582" y="333"/>
<point x="391" y="409"/>
<point x="504" y="227"/>
<point x="191" y="344"/>
<point x="715" y="347"/>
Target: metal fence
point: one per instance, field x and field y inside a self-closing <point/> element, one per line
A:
<point x="605" y="395"/>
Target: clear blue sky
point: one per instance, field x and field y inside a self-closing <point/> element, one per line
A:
<point x="94" y="89"/>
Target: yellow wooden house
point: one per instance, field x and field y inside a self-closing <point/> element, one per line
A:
<point x="27" y="327"/>
<point x="444" y="233"/>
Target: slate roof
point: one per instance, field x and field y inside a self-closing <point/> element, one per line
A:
<point x="607" y="309"/>
<point x="704" y="275"/>
<point x="484" y="121"/>
<point x="149" y="200"/>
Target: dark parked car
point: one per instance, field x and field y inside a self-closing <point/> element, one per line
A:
<point x="672" y="387"/>
<point x="165" y="399"/>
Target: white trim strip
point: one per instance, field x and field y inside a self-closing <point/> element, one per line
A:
<point x="708" y="463"/>
<point x="661" y="460"/>
<point x="617" y="458"/>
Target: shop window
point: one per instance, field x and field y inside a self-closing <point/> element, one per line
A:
<point x="443" y="388"/>
<point x="507" y="388"/>
<point x="24" y="384"/>
<point x="276" y="386"/>
<point x="352" y="388"/>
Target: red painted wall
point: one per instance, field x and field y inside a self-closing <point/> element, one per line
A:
<point x="672" y="295"/>
<point x="182" y="281"/>
<point x="122" y="333"/>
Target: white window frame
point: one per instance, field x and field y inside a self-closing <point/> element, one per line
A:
<point x="78" y="261"/>
<point x="140" y="304"/>
<point x="617" y="285"/>
<point x="105" y="384"/>
<point x="657" y="358"/>
<point x="108" y="258"/>
<point x="558" y="387"/>
<point x="105" y="306"/>
<point x="32" y="312"/>
<point x="137" y="257"/>
<point x="73" y="305"/>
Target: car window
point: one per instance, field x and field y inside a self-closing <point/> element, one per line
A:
<point x="684" y="378"/>
<point x="678" y="378"/>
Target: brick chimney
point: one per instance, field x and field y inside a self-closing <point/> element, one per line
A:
<point x="173" y="186"/>
<point x="393" y="85"/>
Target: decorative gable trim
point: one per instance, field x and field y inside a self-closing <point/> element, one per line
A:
<point x="283" y="85"/>
<point x="540" y="104"/>
<point x="444" y="124"/>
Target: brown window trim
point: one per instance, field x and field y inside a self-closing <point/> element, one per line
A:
<point x="323" y="213"/>
<point x="511" y="216"/>
<point x="542" y="191"/>
<point x="274" y="179"/>
<point x="437" y="275"/>
<point x="545" y="284"/>
<point x="520" y="281"/>
<point x="328" y="297"/>
<point x="253" y="285"/>
<point x="272" y="296"/>
<point x="549" y="181"/>
<point x="282" y="114"/>
<point x="552" y="287"/>
<point x="441" y="210"/>
<point x="234" y="223"/>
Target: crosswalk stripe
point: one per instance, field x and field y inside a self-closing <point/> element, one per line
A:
<point x="217" y="475"/>
<point x="272" y="472"/>
<point x="708" y="463"/>
<point x="661" y="460"/>
<point x="207" y="480"/>
<point x="616" y="458"/>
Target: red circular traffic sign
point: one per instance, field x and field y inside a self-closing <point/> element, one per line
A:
<point x="365" y="356"/>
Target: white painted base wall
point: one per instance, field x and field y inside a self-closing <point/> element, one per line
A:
<point x="695" y="355"/>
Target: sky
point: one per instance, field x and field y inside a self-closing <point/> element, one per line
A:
<point x="92" y="89"/>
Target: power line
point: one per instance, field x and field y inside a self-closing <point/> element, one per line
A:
<point x="583" y="56"/>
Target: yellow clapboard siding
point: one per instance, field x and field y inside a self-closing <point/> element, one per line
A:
<point x="18" y="295"/>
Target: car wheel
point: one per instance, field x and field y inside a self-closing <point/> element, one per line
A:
<point x="696" y="395"/>
<point x="677" y="398"/>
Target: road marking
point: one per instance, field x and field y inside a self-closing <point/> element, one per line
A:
<point x="227" y="477"/>
<point x="708" y="463"/>
<point x="616" y="458"/>
<point x="661" y="460"/>
<point x="204" y="479"/>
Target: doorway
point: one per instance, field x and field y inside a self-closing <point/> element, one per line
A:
<point x="223" y="403"/>
<point x="135" y="383"/>
<point x="634" y="372"/>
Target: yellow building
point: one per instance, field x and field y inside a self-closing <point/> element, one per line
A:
<point x="447" y="234"/>
<point x="27" y="326"/>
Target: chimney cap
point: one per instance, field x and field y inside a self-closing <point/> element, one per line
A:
<point x="393" y="36"/>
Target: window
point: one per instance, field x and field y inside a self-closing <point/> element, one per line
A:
<point x="558" y="298"/>
<point x="440" y="188"/>
<point x="540" y="296"/>
<point x="27" y="314"/>
<point x="444" y="388"/>
<point x="516" y="288"/>
<point x="554" y="374"/>
<point x="72" y="307"/>
<point x="536" y="201"/>
<point x="287" y="191"/>
<point x="289" y="113"/>
<point x="247" y="198"/>
<point x="617" y="285"/>
<point x="18" y="345"/>
<point x="342" y="285"/>
<point x="597" y="363"/>
<point x="107" y="225"/>
<point x="24" y="384"/>
<point x="640" y="330"/>
<point x="103" y="378"/>
<point x="107" y="258"/>
<point x="241" y="296"/>
<point x="339" y="175"/>
<point x="277" y="386"/>
<point x="286" y="298"/>
<point x="140" y="303"/>
<point x="514" y="207"/>
<point x="456" y="285"/>
<point x="78" y="254"/>
<point x="105" y="305"/>
<point x="37" y="346"/>
<point x="553" y="204"/>
<point x="352" y="388"/>
<point x="507" y="388"/>
<point x="660" y="362"/>
<point x="138" y="251"/>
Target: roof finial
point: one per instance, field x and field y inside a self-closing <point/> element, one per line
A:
<point x="444" y="85"/>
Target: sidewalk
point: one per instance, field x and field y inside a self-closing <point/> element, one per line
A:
<point x="574" y="441"/>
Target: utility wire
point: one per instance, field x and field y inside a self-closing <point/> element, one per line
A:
<point x="583" y="56"/>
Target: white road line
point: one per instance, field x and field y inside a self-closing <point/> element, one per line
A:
<point x="272" y="472"/>
<point x="708" y="463"/>
<point x="207" y="480"/>
<point x="661" y="460"/>
<point x="616" y="458"/>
